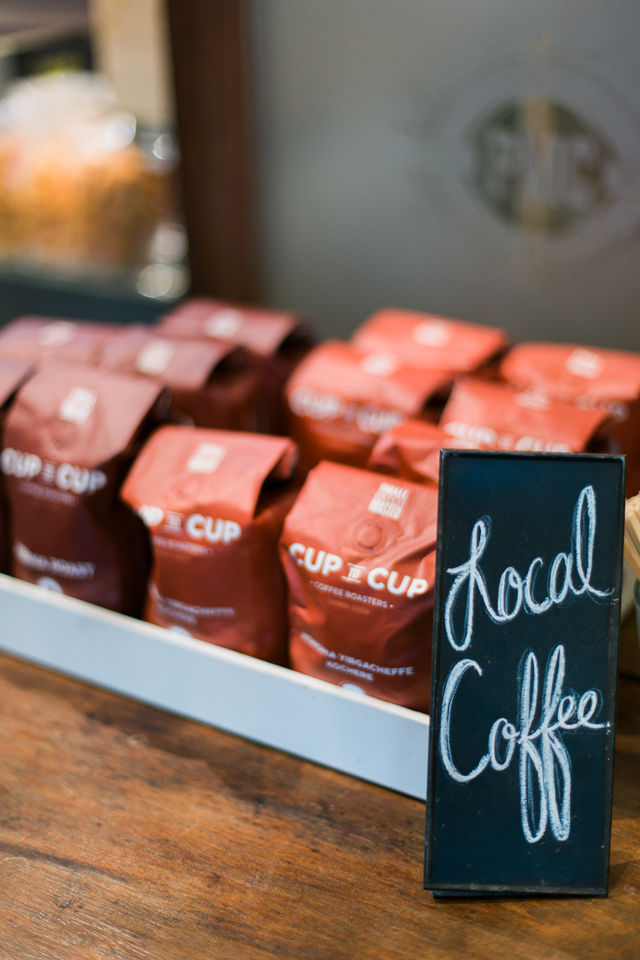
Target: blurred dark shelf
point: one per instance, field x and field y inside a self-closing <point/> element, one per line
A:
<point x="111" y="299"/>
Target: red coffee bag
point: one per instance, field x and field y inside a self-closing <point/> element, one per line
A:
<point x="435" y="343"/>
<point x="592" y="379"/>
<point x="341" y="399"/>
<point x="359" y="554"/>
<point x="214" y="384"/>
<point x="36" y="339"/>
<point x="277" y="339"/>
<point x="498" y="416"/>
<point x="13" y="373"/>
<point x="215" y="502"/>
<point x="69" y="440"/>
<point x="412" y="451"/>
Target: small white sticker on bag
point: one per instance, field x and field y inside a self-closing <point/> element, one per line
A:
<point x="154" y="357"/>
<point x="206" y="458"/>
<point x="389" y="500"/>
<point x="78" y="405"/>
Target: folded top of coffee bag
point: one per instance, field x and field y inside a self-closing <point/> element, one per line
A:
<point x="570" y="371"/>
<point x="263" y="331"/>
<point x="435" y="343"/>
<point x="215" y="384"/>
<point x="411" y="450"/>
<point x="504" y="417"/>
<point x="341" y="399"/>
<point x="179" y="363"/>
<point x="48" y="338"/>
<point x="219" y="472"/>
<point x="81" y="415"/>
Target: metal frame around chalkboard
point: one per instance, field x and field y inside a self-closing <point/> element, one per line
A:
<point x="318" y="721"/>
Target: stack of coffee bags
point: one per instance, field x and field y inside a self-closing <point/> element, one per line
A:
<point x="214" y="502"/>
<point x="276" y="339"/>
<point x="589" y="378"/>
<point x="43" y="339"/>
<point x="499" y="416"/>
<point x="433" y="343"/>
<point x="69" y="440"/>
<point x="399" y="364"/>
<point x="359" y="554"/>
<point x="214" y="384"/>
<point x="341" y="399"/>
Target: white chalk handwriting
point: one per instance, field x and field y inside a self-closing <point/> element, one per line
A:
<point x="516" y="592"/>
<point x="545" y="766"/>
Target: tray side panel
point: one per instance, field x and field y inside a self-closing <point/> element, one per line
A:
<point x="317" y="721"/>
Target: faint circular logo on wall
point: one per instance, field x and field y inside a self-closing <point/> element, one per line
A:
<point x="537" y="161"/>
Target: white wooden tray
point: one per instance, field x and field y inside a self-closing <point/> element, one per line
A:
<point x="355" y="734"/>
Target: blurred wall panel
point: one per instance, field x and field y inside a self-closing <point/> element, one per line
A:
<point x="480" y="160"/>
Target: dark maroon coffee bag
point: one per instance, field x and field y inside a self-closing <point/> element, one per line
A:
<point x="277" y="339"/>
<point x="214" y="384"/>
<point x="40" y="339"/>
<point x="13" y="373"/>
<point x="70" y="438"/>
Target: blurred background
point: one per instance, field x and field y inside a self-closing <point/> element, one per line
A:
<point x="480" y="161"/>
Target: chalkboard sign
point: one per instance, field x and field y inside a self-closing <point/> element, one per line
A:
<point x="524" y="673"/>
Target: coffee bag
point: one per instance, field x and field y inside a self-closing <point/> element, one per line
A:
<point x="278" y="340"/>
<point x="591" y="379"/>
<point x="359" y="554"/>
<point x="13" y="373"/>
<point x="412" y="451"/>
<point x="215" y="502"/>
<point x="69" y="440"/>
<point x="435" y="343"/>
<point x="499" y="416"/>
<point x="214" y="384"/>
<point x="40" y="339"/>
<point x="341" y="399"/>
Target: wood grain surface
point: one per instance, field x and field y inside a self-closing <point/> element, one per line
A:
<point x="129" y="834"/>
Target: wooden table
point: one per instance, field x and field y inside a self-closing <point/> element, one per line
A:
<point x="129" y="834"/>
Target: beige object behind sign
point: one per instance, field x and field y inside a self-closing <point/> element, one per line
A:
<point x="131" y="41"/>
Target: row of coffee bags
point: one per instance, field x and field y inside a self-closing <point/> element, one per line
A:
<point x="226" y="365"/>
<point x="408" y="384"/>
<point x="357" y="552"/>
<point x="88" y="462"/>
<point x="357" y="547"/>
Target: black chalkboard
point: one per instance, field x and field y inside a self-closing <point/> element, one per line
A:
<point x="526" y="627"/>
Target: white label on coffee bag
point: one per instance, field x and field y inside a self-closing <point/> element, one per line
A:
<point x="380" y="364"/>
<point x="584" y="363"/>
<point x="206" y="458"/>
<point x="154" y="357"/>
<point x="224" y="324"/>
<point x="433" y="333"/>
<point x="58" y="333"/>
<point x="389" y="501"/>
<point x="78" y="405"/>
